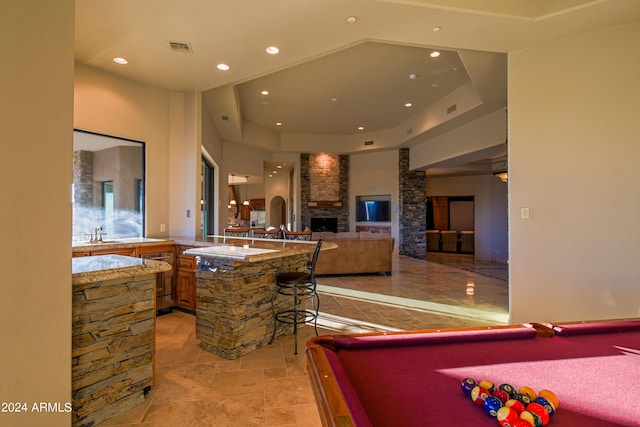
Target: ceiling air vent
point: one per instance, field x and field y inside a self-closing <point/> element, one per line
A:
<point x="180" y="47"/>
<point x="368" y="143"/>
<point x="452" y="109"/>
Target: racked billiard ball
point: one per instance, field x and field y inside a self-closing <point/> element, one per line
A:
<point x="521" y="423"/>
<point x="508" y="388"/>
<point x="487" y="385"/>
<point x="502" y="395"/>
<point x="532" y="418"/>
<point x="524" y="398"/>
<point x="516" y="405"/>
<point x="506" y="414"/>
<point x="528" y="391"/>
<point x="478" y="395"/>
<point x="551" y="397"/>
<point x="467" y="385"/>
<point x="491" y="405"/>
<point x="539" y="410"/>
<point x="546" y="405"/>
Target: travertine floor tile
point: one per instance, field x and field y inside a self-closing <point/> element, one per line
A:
<point x="270" y="387"/>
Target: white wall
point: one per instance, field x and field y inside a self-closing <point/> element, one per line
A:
<point x="573" y="161"/>
<point x="36" y="127"/>
<point x="371" y="174"/>
<point x="490" y="211"/>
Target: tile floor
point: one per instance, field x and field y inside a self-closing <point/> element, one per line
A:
<point x="269" y="387"/>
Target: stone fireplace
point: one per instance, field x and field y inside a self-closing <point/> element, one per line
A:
<point x="324" y="189"/>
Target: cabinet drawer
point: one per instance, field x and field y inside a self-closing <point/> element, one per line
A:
<point x="186" y="263"/>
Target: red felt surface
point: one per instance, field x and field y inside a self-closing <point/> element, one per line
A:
<point x="597" y="378"/>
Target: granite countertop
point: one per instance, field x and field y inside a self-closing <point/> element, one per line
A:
<point x="105" y="267"/>
<point x="252" y="250"/>
<point x="83" y="246"/>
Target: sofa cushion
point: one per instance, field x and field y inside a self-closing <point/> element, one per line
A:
<point x="347" y="235"/>
<point x="371" y="235"/>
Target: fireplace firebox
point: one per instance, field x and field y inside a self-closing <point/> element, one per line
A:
<point x="324" y="224"/>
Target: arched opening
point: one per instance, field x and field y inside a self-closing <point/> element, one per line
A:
<point x="277" y="211"/>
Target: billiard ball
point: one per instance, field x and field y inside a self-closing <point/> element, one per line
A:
<point x="478" y="395"/>
<point x="508" y="388"/>
<point x="501" y="394"/>
<point x="514" y="404"/>
<point x="467" y="385"/>
<point x="524" y="398"/>
<point x="487" y="385"/>
<point x="546" y="405"/>
<point x="532" y="418"/>
<point x="491" y="405"/>
<point x="539" y="410"/>
<point x="528" y="391"/>
<point x="521" y="423"/>
<point x="506" y="414"/>
<point x="551" y="397"/>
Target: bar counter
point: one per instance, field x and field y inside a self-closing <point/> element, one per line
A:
<point x="113" y="327"/>
<point x="236" y="279"/>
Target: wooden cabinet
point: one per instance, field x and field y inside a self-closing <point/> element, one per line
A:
<point x="185" y="279"/>
<point x="257" y="204"/>
<point x="125" y="251"/>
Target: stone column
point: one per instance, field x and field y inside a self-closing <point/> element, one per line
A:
<point x="413" y="209"/>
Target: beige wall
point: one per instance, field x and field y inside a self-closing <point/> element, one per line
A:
<point x="36" y="126"/>
<point x="372" y="174"/>
<point x="107" y="104"/>
<point x="573" y="161"/>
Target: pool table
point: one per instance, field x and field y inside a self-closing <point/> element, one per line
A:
<point x="413" y="378"/>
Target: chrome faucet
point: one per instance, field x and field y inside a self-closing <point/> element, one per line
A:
<point x="96" y="236"/>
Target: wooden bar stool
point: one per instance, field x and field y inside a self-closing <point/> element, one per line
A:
<point x="301" y="285"/>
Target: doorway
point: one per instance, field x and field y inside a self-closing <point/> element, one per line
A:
<point x="277" y="211"/>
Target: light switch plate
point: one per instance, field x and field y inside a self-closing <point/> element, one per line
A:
<point x="524" y="213"/>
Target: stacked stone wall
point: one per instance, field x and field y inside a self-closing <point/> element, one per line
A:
<point x="339" y="180"/>
<point x="113" y="326"/>
<point x="233" y="300"/>
<point x="413" y="209"/>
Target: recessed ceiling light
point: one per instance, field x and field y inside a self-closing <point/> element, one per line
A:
<point x="223" y="67"/>
<point x="351" y="19"/>
<point x="279" y="166"/>
<point x="120" y="60"/>
<point x="435" y="84"/>
<point x="334" y="99"/>
<point x="436" y="28"/>
<point x="434" y="54"/>
<point x="264" y="92"/>
<point x="272" y="50"/>
<point x="408" y="104"/>
<point x="270" y="176"/>
<point x="278" y="123"/>
<point x="360" y="127"/>
<point x="413" y="76"/>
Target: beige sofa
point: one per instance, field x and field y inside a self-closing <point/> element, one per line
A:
<point x="357" y="252"/>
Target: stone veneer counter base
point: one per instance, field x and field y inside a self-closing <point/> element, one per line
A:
<point x="233" y="296"/>
<point x="113" y="327"/>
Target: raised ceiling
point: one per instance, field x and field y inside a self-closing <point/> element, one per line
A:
<point x="364" y="66"/>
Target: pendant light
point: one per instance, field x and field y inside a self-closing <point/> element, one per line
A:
<point x="246" y="193"/>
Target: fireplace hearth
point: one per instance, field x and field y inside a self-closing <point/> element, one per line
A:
<point x="324" y="224"/>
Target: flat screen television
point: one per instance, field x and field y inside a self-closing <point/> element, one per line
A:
<point x="373" y="208"/>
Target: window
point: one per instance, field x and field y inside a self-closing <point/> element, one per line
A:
<point x="108" y="186"/>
